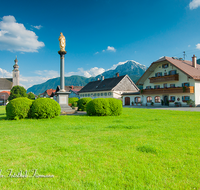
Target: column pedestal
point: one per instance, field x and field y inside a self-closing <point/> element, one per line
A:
<point x="62" y="95"/>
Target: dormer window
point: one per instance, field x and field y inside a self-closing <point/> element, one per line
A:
<point x="165" y="65"/>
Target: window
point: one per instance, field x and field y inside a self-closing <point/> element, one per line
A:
<point x="165" y="85"/>
<point x="185" y="98"/>
<point x="148" y="87"/>
<point x="105" y="94"/>
<point x="95" y="94"/>
<point x="158" y="74"/>
<point x="98" y="94"/>
<point x="137" y="99"/>
<point x="85" y="95"/>
<point x="88" y="95"/>
<point x="109" y="93"/>
<point x="149" y="99"/>
<point x="157" y="99"/>
<point x="156" y="86"/>
<point x="187" y="84"/>
<point x="165" y="65"/>
<point x="172" y="72"/>
<point x="172" y="85"/>
<point x="172" y="99"/>
<point x="101" y="94"/>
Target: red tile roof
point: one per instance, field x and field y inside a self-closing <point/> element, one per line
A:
<point x="49" y="91"/>
<point x="8" y="92"/>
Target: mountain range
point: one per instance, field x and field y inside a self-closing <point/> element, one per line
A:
<point x="131" y="68"/>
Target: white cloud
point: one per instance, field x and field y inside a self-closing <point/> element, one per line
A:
<point x="87" y="73"/>
<point x="96" y="52"/>
<point x="37" y="27"/>
<point x="194" y="4"/>
<point x="5" y="74"/>
<point x="198" y="46"/>
<point x="109" y="48"/>
<point x="15" y="37"/>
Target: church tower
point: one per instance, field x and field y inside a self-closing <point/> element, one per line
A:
<point x="16" y="73"/>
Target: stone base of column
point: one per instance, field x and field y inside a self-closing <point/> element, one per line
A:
<point x="62" y="99"/>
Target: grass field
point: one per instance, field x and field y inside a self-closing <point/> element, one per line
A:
<point x="141" y="149"/>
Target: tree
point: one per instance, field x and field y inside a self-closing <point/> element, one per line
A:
<point x="16" y="92"/>
<point x="31" y="96"/>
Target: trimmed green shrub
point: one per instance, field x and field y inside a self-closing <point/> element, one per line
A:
<point x="104" y="107"/>
<point x="82" y="103"/>
<point x="115" y="106"/>
<point x="17" y="92"/>
<point x="73" y="101"/>
<point x="98" y="107"/>
<point x="44" y="108"/>
<point x="18" y="108"/>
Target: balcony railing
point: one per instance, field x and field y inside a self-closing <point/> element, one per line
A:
<point x="189" y="89"/>
<point x="164" y="78"/>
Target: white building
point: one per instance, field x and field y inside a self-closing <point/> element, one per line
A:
<point x="168" y="81"/>
<point x="108" y="88"/>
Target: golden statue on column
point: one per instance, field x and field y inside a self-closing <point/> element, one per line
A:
<point x="62" y="42"/>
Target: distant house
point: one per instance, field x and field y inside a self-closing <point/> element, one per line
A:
<point x="73" y="89"/>
<point x="109" y="88"/>
<point x="6" y="84"/>
<point x="168" y="81"/>
<point x="47" y="93"/>
<point x="4" y="97"/>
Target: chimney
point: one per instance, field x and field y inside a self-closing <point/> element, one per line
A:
<point x="117" y="74"/>
<point x="102" y="77"/>
<point x="72" y="87"/>
<point x="98" y="79"/>
<point x="194" y="61"/>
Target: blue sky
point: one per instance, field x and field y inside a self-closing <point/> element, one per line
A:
<point x="99" y="34"/>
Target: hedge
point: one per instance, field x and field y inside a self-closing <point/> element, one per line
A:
<point x="104" y="107"/>
<point x="115" y="106"/>
<point x="18" y="108"/>
<point x="82" y="103"/>
<point x="44" y="108"/>
<point x="73" y="101"/>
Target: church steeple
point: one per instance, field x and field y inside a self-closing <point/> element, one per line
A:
<point x="16" y="73"/>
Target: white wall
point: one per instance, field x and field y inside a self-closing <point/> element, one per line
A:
<point x="197" y="93"/>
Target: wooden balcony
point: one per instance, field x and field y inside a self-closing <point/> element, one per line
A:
<point x="174" y="90"/>
<point x="164" y="78"/>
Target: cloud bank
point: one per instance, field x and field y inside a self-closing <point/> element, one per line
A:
<point x="15" y="37"/>
<point x="194" y="4"/>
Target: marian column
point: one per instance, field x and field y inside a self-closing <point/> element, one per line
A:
<point x="62" y="95"/>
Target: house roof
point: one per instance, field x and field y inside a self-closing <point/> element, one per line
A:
<point x="49" y="91"/>
<point x="4" y="95"/>
<point x="6" y="83"/>
<point x="104" y="85"/>
<point x="68" y="88"/>
<point x="75" y="91"/>
<point x="183" y="65"/>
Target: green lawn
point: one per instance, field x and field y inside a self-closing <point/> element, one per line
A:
<point x="141" y="149"/>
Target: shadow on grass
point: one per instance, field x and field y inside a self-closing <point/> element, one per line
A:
<point x="3" y="117"/>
